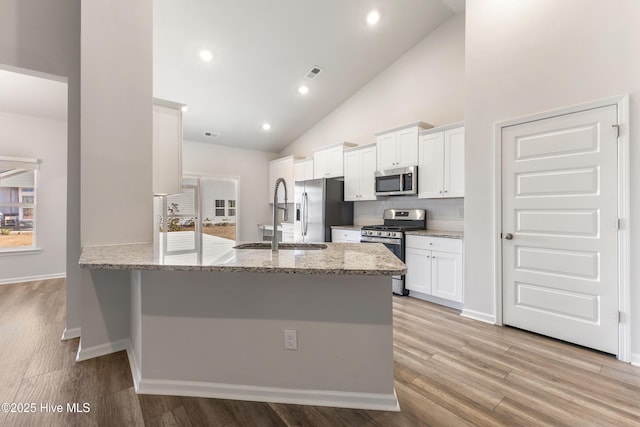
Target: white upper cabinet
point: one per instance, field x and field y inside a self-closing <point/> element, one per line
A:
<point x="441" y="162"/>
<point x="167" y="147"/>
<point x="303" y="170"/>
<point x="359" y="168"/>
<point x="398" y="147"/>
<point x="281" y="168"/>
<point x="328" y="162"/>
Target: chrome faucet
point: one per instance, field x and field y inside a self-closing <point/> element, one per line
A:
<point x="274" y="239"/>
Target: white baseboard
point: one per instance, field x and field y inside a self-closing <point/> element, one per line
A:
<point x="436" y="300"/>
<point x="371" y="401"/>
<point x="478" y="315"/>
<point x="32" y="278"/>
<point x="635" y="359"/>
<point x="100" y="350"/>
<point x="338" y="399"/>
<point x="136" y="371"/>
<point x="70" y="333"/>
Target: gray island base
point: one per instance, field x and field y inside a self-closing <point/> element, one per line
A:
<point x="218" y="330"/>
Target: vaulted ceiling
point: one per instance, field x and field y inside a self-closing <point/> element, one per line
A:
<point x="262" y="51"/>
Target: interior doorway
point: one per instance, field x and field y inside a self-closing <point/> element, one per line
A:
<point x="199" y="224"/>
<point x="563" y="244"/>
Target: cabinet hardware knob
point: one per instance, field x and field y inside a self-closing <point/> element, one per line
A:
<point x="508" y="236"/>
<point x="446" y="191"/>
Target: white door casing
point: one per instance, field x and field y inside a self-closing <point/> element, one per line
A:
<point x="560" y="202"/>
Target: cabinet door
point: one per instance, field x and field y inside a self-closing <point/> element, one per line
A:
<point x="446" y="275"/>
<point x="303" y="170"/>
<point x="335" y="162"/>
<point x="308" y="169"/>
<point x="273" y="175"/>
<point x="454" y="163"/>
<point x="352" y="175"/>
<point x="418" y="277"/>
<point x="285" y="170"/>
<point x="430" y="174"/>
<point x="321" y="164"/>
<point x="281" y="168"/>
<point x="407" y="141"/>
<point x="167" y="150"/>
<point x="299" y="171"/>
<point x="387" y="151"/>
<point x="367" y="169"/>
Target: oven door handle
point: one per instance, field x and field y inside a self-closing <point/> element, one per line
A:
<point x="368" y="239"/>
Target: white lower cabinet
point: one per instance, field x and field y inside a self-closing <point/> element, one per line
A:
<point x="341" y="235"/>
<point x="418" y="277"/>
<point x="434" y="267"/>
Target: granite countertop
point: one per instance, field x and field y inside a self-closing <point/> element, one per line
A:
<point x="338" y="258"/>
<point x="437" y="233"/>
<point x="347" y="227"/>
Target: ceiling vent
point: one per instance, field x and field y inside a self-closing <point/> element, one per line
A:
<point x="211" y="134"/>
<point x="313" y="73"/>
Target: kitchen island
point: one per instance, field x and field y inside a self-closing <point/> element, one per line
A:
<point x="218" y="330"/>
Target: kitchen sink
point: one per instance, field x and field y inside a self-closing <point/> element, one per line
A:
<point x="283" y="246"/>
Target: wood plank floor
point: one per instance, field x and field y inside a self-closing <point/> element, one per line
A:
<point x="449" y="371"/>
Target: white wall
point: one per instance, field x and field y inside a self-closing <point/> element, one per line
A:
<point x="426" y="83"/>
<point x="117" y="71"/>
<point x="213" y="189"/>
<point x="116" y="155"/>
<point x="46" y="140"/>
<point x="528" y="56"/>
<point x="45" y="36"/>
<point x="249" y="166"/>
<point x="442" y="214"/>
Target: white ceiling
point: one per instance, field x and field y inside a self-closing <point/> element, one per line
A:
<point x="263" y="49"/>
<point x="31" y="95"/>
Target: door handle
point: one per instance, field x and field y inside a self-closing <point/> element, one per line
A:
<point x="305" y="214"/>
<point x="508" y="236"/>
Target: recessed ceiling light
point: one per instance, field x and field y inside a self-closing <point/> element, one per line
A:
<point x="266" y="126"/>
<point x="373" y="17"/>
<point x="303" y="89"/>
<point x="184" y="108"/>
<point x="205" y="55"/>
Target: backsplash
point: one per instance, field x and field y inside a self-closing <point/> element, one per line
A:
<point x="442" y="214"/>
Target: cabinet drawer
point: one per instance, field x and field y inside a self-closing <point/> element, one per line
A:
<point x="434" y="243"/>
<point x="341" y="235"/>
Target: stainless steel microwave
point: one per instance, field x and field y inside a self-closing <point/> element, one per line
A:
<point x="397" y="182"/>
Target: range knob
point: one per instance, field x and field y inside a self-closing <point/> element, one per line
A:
<point x="389" y="233"/>
<point x="379" y="233"/>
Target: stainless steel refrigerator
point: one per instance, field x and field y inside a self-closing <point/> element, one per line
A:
<point x="320" y="204"/>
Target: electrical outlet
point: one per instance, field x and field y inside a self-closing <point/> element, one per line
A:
<point x="290" y="339"/>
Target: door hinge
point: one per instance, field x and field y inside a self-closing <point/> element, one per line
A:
<point x="617" y="128"/>
<point x="619" y="316"/>
<point x="619" y="224"/>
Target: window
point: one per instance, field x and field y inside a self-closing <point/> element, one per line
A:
<point x="219" y="211"/>
<point x="17" y="203"/>
<point x="232" y="208"/>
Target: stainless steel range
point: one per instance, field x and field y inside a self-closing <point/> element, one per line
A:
<point x="391" y="234"/>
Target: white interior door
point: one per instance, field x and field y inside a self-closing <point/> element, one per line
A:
<point x="559" y="227"/>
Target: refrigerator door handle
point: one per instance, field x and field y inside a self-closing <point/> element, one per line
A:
<point x="305" y="213"/>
